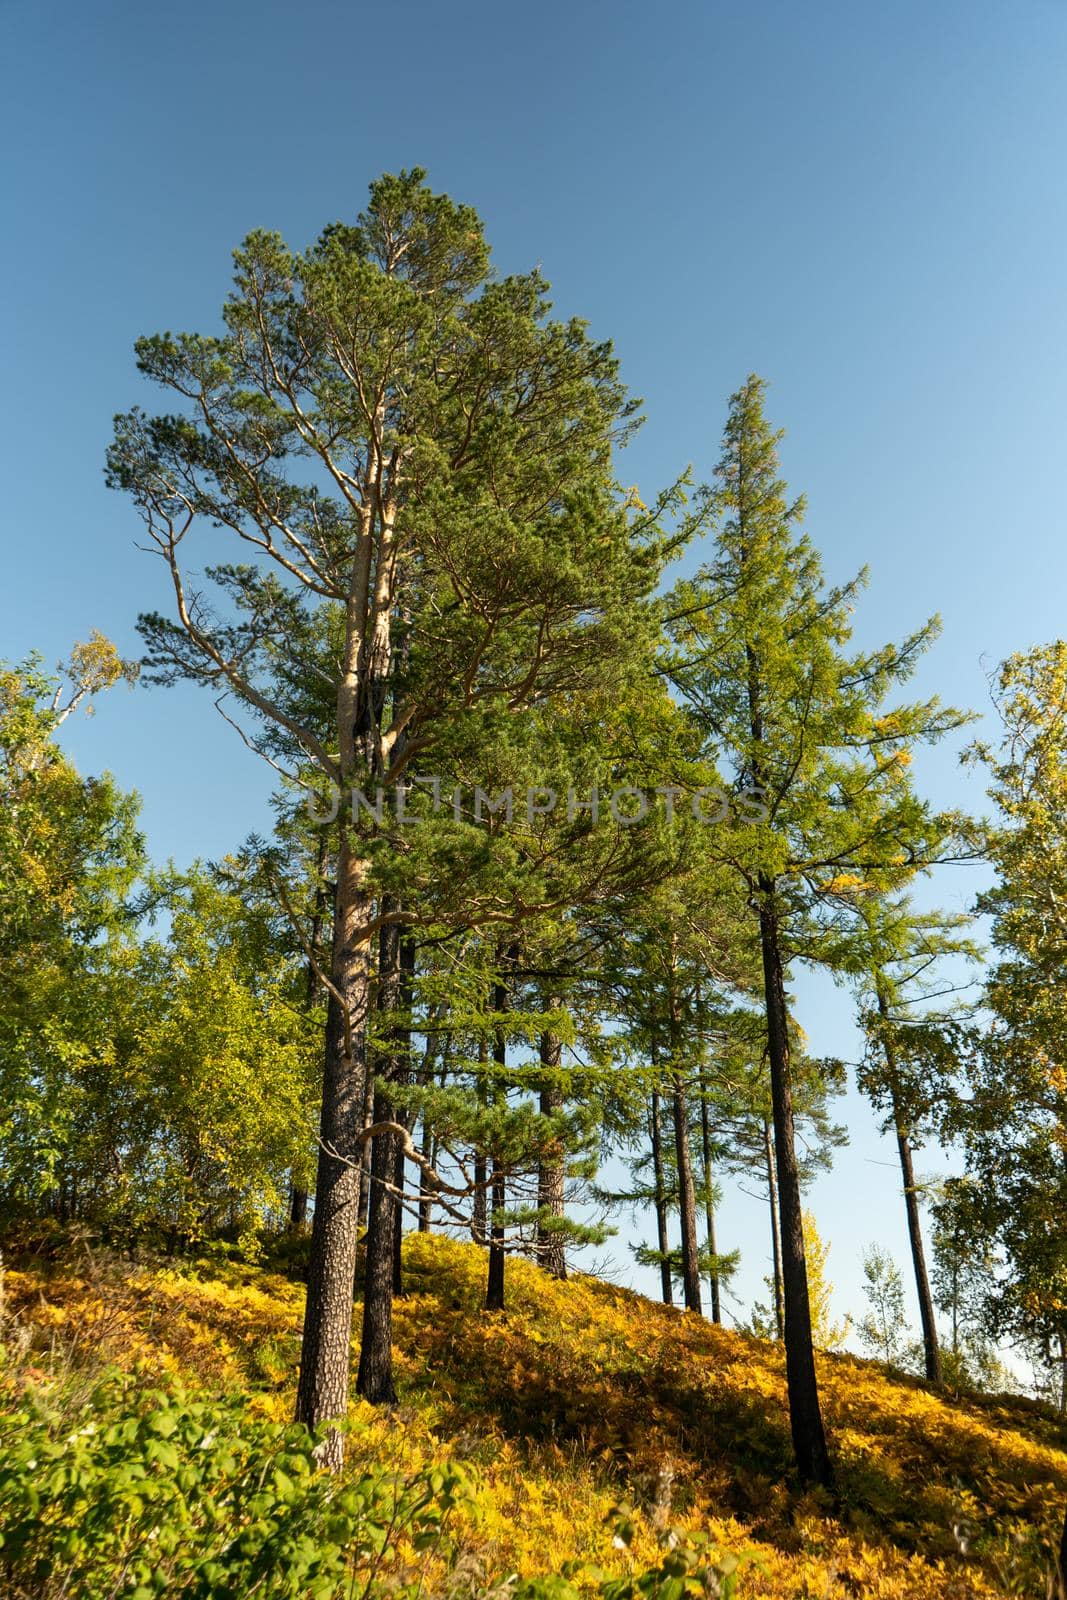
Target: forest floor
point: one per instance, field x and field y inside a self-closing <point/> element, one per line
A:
<point x="582" y="1398"/>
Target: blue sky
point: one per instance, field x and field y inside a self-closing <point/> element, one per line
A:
<point x="864" y="204"/>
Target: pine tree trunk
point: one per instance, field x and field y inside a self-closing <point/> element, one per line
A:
<point x="480" y="1209"/>
<point x="365" y="1154"/>
<point x="551" y="1251"/>
<point x="776" y="1234"/>
<point x="805" y="1416"/>
<point x="322" y="1391"/>
<point x="687" y="1208"/>
<point x="428" y="1152"/>
<point x="428" y="1149"/>
<point x="402" y="1075"/>
<point x="298" y="1195"/>
<point x="375" y="1380"/>
<point x="494" y="1290"/>
<point x="709" y="1205"/>
<point x="660" y="1199"/>
<point x="298" y="1208"/>
<point x="686" y="1197"/>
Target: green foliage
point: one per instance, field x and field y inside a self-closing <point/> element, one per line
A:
<point x="145" y="1493"/>
<point x="883" y="1329"/>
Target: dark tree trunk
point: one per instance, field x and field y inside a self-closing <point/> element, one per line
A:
<point x="494" y="1289"/>
<point x="375" y="1380"/>
<point x="687" y="1207"/>
<point x="298" y="1208"/>
<point x="428" y="1147"/>
<point x="709" y="1204"/>
<point x="686" y="1196"/>
<point x="931" y="1348"/>
<point x="551" y="1250"/>
<point x="660" y="1200"/>
<point x="428" y="1151"/>
<point x="298" y="1194"/>
<point x="322" y="1391"/>
<point x="805" y="1416"/>
<point x="776" y="1234"/>
<point x="403" y="1075"/>
<point x="480" y="1214"/>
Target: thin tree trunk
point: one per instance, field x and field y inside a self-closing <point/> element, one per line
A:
<point x="402" y="1075"/>
<point x="375" y="1379"/>
<point x="429" y="1154"/>
<point x="686" y="1195"/>
<point x="365" y="1154"/>
<point x="298" y="1197"/>
<point x="429" y="1142"/>
<point x="805" y="1416"/>
<point x="322" y="1391"/>
<point x="931" y="1347"/>
<point x="479" y="1217"/>
<point x="494" y="1290"/>
<point x="687" y="1209"/>
<point x="709" y="1204"/>
<point x="776" y="1235"/>
<point x="298" y="1208"/>
<point x="551" y="1249"/>
<point x="660" y="1201"/>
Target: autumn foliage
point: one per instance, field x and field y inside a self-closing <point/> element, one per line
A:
<point x="592" y="1428"/>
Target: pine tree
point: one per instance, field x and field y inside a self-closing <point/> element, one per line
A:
<point x="416" y="463"/>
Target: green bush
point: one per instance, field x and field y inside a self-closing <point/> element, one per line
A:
<point x="151" y="1493"/>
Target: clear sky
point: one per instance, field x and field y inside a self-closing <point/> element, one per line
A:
<point x="865" y="204"/>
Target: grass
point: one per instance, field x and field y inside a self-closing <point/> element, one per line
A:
<point x="581" y="1398"/>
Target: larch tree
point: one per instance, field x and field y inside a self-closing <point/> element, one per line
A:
<point x="761" y="656"/>
<point x="415" y="463"/>
<point x="912" y="1049"/>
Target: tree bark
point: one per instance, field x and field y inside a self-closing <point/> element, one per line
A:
<point x="298" y="1208"/>
<point x="709" y="1204"/>
<point x="401" y="1115"/>
<point x="776" y="1234"/>
<point x="375" y="1379"/>
<point x="494" y="1290"/>
<point x="687" y="1209"/>
<point x="322" y="1391"/>
<point x="931" y="1347"/>
<point x="298" y="1198"/>
<point x="479" y="1212"/>
<point x="805" y="1416"/>
<point x="660" y="1200"/>
<point x="686" y="1195"/>
<point x="551" y="1177"/>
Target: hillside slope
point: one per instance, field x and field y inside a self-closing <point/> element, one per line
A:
<point x="581" y="1397"/>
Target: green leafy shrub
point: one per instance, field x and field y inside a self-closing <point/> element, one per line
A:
<point x="150" y="1493"/>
